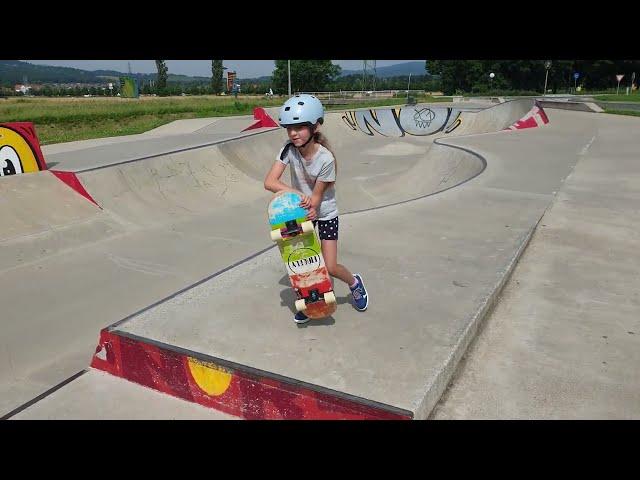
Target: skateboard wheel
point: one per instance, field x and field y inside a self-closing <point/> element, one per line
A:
<point x="307" y="227"/>
<point x="276" y="235"/>
<point x="329" y="298"/>
<point x="301" y="305"/>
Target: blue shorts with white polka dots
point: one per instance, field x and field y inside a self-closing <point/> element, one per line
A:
<point x="327" y="229"/>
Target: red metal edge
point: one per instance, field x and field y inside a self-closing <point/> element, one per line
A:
<point x="542" y="113"/>
<point x="71" y="179"/>
<point x="253" y="126"/>
<point x="534" y="118"/>
<point x="235" y="392"/>
<point x="262" y="115"/>
<point x="263" y="119"/>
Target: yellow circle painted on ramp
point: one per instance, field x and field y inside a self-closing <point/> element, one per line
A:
<point x="13" y="144"/>
<point x="212" y="379"/>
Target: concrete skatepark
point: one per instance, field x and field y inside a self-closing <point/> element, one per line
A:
<point x="166" y="299"/>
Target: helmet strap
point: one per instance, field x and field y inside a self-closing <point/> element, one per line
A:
<point x="311" y="137"/>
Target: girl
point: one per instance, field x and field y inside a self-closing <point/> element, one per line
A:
<point x="313" y="174"/>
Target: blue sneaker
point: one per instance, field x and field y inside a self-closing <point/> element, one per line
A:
<point x="360" y="298"/>
<point x="300" y="317"/>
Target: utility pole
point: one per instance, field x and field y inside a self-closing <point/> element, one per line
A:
<point x="364" y="74"/>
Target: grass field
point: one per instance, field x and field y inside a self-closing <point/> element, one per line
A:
<point x="635" y="97"/>
<point x="623" y="112"/>
<point x="68" y="119"/>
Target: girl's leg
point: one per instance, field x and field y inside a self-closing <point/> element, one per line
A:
<point x="330" y="254"/>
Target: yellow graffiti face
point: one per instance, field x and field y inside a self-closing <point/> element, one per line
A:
<point x="16" y="155"/>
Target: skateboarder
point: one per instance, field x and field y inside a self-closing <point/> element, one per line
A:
<point x="313" y="175"/>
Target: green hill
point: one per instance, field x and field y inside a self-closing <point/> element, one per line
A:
<point x="15" y="71"/>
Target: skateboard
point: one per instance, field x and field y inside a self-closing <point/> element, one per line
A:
<point x="301" y="253"/>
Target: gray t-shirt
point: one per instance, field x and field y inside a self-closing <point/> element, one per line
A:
<point x="304" y="175"/>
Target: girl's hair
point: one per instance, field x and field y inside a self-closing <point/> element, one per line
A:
<point x="320" y="138"/>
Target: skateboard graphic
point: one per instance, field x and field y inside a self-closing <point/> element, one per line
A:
<point x="301" y="253"/>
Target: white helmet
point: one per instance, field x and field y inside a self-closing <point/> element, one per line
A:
<point x="300" y="110"/>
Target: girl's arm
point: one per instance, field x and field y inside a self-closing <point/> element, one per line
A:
<point x="272" y="180"/>
<point x="316" y="196"/>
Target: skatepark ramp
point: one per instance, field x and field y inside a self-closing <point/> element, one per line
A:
<point x="192" y="216"/>
<point x="376" y="171"/>
<point x="427" y="120"/>
<point x="182" y="186"/>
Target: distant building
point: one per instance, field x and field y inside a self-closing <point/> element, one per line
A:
<point x="231" y="78"/>
<point x="21" y="88"/>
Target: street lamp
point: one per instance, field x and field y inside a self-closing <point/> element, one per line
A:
<point x="289" y="67"/>
<point x="491" y="75"/>
<point x="547" y="66"/>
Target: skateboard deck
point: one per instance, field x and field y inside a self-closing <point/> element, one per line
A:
<point x="302" y="255"/>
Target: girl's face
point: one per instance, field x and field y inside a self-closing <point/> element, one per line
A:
<point x="299" y="134"/>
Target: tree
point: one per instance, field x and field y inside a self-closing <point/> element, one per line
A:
<point x="457" y="76"/>
<point x="306" y="75"/>
<point x="163" y="73"/>
<point x="216" y="76"/>
<point x="472" y="76"/>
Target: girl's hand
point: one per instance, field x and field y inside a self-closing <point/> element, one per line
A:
<point x="311" y="214"/>
<point x="308" y="205"/>
<point x="305" y="202"/>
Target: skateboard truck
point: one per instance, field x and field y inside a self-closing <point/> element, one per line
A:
<point x="291" y="229"/>
<point x="313" y="297"/>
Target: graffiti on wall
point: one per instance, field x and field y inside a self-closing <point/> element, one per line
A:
<point x="19" y="149"/>
<point x="398" y="122"/>
<point x="232" y="389"/>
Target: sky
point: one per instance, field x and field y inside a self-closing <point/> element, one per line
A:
<point x="202" y="68"/>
